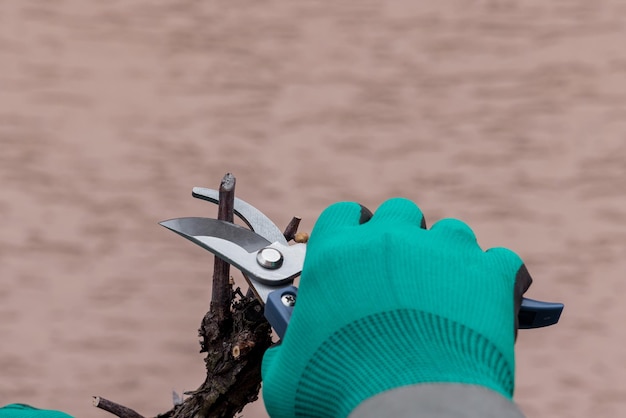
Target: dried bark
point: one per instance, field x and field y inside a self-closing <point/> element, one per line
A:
<point x="115" y="408"/>
<point x="233" y="363"/>
<point x="234" y="334"/>
<point x="292" y="228"/>
<point x="222" y="290"/>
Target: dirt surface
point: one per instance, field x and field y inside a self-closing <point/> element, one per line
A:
<point x="508" y="115"/>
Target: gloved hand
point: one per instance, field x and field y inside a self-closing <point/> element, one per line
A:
<point x="389" y="303"/>
<point x="18" y="410"/>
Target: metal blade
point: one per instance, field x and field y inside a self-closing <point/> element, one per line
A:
<point x="256" y="221"/>
<point x="194" y="228"/>
<point x="239" y="246"/>
<point x="253" y="217"/>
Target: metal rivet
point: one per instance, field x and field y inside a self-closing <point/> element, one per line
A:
<point x="288" y="299"/>
<point x="270" y="258"/>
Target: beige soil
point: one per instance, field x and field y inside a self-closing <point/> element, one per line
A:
<point x="508" y="115"/>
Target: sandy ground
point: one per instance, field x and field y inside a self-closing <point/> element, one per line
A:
<point x="508" y="115"/>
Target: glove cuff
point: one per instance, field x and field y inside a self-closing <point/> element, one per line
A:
<point x="393" y="349"/>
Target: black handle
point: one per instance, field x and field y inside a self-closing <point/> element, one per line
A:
<point x="537" y="314"/>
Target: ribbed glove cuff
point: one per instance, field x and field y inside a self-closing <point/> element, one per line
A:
<point x="389" y="350"/>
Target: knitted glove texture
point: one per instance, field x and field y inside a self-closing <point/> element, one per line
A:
<point x="18" y="410"/>
<point x="388" y="303"/>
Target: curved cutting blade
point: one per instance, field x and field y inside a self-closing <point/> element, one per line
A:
<point x="239" y="246"/>
<point x="253" y="217"/>
<point x="194" y="227"/>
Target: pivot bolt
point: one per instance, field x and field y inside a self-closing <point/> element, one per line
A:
<point x="288" y="300"/>
<point x="270" y="258"/>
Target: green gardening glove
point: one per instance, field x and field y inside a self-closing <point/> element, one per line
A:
<point x="19" y="410"/>
<point x="387" y="303"/>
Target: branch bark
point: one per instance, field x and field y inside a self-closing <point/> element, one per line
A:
<point x="115" y="408"/>
<point x="221" y="293"/>
<point x="234" y="334"/>
<point x="292" y="228"/>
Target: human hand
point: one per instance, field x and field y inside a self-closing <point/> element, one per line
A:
<point x="17" y="410"/>
<point x="388" y="303"/>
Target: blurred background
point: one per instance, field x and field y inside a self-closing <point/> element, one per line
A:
<point x="508" y="115"/>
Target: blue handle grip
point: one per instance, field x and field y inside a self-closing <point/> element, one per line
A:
<point x="532" y="314"/>
<point x="278" y="308"/>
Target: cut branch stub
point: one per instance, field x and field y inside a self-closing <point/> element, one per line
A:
<point x="222" y="290"/>
<point x="115" y="408"/>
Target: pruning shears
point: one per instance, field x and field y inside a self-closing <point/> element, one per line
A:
<point x="270" y="264"/>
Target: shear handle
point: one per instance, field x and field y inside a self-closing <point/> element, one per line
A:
<point x="532" y="314"/>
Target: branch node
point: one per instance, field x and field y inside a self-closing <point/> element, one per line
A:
<point x="292" y="228"/>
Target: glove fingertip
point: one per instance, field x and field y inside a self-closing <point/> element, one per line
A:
<point x="400" y="209"/>
<point x="339" y="215"/>
<point x="456" y="230"/>
<point x="509" y="259"/>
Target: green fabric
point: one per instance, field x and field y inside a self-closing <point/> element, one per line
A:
<point x="387" y="304"/>
<point x="18" y="410"/>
